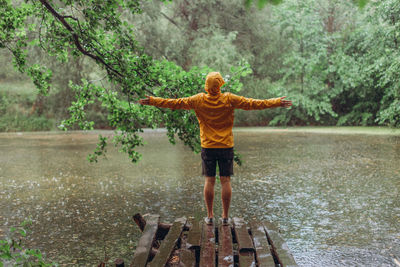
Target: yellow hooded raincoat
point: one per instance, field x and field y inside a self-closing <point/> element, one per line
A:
<point x="215" y="110"/>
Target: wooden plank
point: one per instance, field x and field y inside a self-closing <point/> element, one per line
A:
<point x="187" y="258"/>
<point x="225" y="246"/>
<point x="245" y="244"/>
<point x="207" y="250"/>
<point x="246" y="259"/>
<point x="194" y="234"/>
<point x="145" y="242"/>
<point x="168" y="244"/>
<point x="280" y="248"/>
<point x="242" y="235"/>
<point x="270" y="226"/>
<point x="190" y="247"/>
<point x="264" y="256"/>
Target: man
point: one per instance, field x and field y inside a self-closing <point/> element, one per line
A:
<point x="215" y="113"/>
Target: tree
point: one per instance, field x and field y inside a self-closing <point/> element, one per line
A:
<point x="100" y="30"/>
<point x="370" y="67"/>
<point x="312" y="32"/>
<point x="190" y="33"/>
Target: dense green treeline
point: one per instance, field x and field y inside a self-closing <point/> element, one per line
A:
<point x="339" y="63"/>
<point x="90" y="61"/>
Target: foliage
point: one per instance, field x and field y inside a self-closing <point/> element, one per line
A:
<point x="13" y="251"/>
<point x="98" y="30"/>
<point x="310" y="30"/>
<point x="337" y="62"/>
<point x="388" y="80"/>
<point x="189" y="33"/>
<point x="369" y="68"/>
<point x="309" y="50"/>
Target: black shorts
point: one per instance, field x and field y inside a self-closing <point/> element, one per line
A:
<point x="210" y="157"/>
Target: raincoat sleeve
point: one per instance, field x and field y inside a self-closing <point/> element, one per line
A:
<point x="179" y="103"/>
<point x="245" y="103"/>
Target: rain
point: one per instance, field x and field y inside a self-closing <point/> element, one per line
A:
<point x="334" y="197"/>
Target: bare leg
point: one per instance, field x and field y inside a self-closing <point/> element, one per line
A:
<point x="226" y="194"/>
<point x="209" y="195"/>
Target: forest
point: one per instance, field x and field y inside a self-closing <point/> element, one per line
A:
<point x="81" y="65"/>
<point x="84" y="64"/>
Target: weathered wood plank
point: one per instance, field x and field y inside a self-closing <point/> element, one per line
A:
<point x="187" y="257"/>
<point x="189" y="254"/>
<point x="264" y="256"/>
<point x="207" y="251"/>
<point x="197" y="244"/>
<point x="139" y="220"/>
<point x="190" y="249"/>
<point x="270" y="226"/>
<point x="246" y="259"/>
<point x="168" y="244"/>
<point x="225" y="246"/>
<point x="245" y="244"/>
<point x="242" y="235"/>
<point x="146" y="240"/>
<point x="194" y="234"/>
<point x="279" y="247"/>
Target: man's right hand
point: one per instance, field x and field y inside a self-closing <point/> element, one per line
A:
<point x="145" y="101"/>
<point x="285" y="103"/>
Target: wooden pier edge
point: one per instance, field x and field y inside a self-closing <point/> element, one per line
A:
<point x="192" y="243"/>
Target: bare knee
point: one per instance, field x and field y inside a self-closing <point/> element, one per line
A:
<point x="210" y="181"/>
<point x="225" y="179"/>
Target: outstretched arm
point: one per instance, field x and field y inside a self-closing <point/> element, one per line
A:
<point x="251" y="104"/>
<point x="179" y="103"/>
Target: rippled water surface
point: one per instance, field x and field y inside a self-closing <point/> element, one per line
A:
<point x="335" y="197"/>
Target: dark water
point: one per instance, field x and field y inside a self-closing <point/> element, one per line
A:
<point x="334" y="197"/>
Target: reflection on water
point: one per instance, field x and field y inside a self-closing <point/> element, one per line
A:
<point x="335" y="197"/>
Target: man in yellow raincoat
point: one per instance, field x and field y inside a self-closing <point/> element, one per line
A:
<point x="215" y="113"/>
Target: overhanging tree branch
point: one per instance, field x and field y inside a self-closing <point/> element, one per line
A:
<point x="78" y="44"/>
<point x="76" y="37"/>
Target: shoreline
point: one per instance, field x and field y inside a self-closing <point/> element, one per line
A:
<point x="368" y="130"/>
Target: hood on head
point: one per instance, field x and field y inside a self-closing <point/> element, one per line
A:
<point x="214" y="81"/>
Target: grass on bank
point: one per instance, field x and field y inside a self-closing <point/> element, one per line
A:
<point x="24" y="88"/>
<point x="16" y="101"/>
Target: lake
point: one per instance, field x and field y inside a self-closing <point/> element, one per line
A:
<point x="334" y="196"/>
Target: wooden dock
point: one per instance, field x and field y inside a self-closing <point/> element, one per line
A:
<point x="190" y="243"/>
